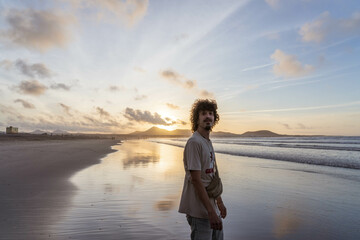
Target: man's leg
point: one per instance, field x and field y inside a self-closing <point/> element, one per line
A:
<point x="200" y="228"/>
<point x="218" y="235"/>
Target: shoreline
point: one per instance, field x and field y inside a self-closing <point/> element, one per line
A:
<point x="34" y="180"/>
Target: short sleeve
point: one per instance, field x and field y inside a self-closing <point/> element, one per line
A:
<point x="192" y="155"/>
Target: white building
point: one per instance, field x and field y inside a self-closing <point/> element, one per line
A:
<point x="12" y="130"/>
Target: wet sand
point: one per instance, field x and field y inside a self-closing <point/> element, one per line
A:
<point x="134" y="194"/>
<point x="34" y="182"/>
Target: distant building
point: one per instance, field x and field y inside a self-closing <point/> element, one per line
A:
<point x="12" y="130"/>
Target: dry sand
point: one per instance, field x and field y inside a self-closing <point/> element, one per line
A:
<point x="34" y="184"/>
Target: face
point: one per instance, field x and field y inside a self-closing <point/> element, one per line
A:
<point x="206" y="119"/>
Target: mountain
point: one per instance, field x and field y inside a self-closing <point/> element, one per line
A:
<point x="261" y="133"/>
<point x="155" y="131"/>
<point x="59" y="132"/>
<point x="224" y="134"/>
<point x="38" y="132"/>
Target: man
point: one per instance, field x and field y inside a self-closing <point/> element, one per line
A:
<point x="203" y="213"/>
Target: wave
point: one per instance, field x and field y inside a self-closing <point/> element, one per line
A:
<point x="325" y="156"/>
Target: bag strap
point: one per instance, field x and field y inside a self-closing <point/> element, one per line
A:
<point x="217" y="171"/>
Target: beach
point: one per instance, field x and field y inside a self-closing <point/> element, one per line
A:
<point x="133" y="193"/>
<point x="35" y="187"/>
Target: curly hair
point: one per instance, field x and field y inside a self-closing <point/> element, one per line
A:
<point x="202" y="105"/>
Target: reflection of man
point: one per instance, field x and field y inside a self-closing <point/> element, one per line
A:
<point x="202" y="212"/>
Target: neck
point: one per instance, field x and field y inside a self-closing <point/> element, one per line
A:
<point x="204" y="133"/>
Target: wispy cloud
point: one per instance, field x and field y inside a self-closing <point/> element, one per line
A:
<point x="140" y="97"/>
<point x="31" y="87"/>
<point x="102" y="112"/>
<point x="31" y="70"/>
<point x="172" y="106"/>
<point x="180" y="80"/>
<point x="114" y="88"/>
<point x="206" y="94"/>
<point x="296" y="109"/>
<point x="146" y="116"/>
<point x="37" y="29"/>
<point x="66" y="108"/>
<point x="288" y="65"/>
<point x="326" y="26"/>
<point x="25" y="104"/>
<point x="296" y="126"/>
<point x="256" y="67"/>
<point x="6" y="64"/>
<point x="129" y="12"/>
<point x="62" y="86"/>
<point x="272" y="3"/>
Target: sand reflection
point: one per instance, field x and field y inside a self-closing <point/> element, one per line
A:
<point x="136" y="186"/>
<point x="166" y="204"/>
<point x="137" y="154"/>
<point x="286" y="222"/>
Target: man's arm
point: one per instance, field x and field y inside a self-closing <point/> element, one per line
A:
<point x="215" y="221"/>
<point x="221" y="206"/>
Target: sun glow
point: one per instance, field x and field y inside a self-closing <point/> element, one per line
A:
<point x="169" y="128"/>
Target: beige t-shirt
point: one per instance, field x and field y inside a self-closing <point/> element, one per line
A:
<point x="198" y="155"/>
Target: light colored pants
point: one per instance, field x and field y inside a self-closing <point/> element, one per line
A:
<point x="201" y="230"/>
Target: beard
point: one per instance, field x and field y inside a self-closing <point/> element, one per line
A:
<point x="208" y="128"/>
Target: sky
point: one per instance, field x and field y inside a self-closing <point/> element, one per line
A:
<point x="111" y="66"/>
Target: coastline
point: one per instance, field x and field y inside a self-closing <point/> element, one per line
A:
<point x="34" y="180"/>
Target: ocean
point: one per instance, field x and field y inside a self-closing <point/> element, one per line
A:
<point x="341" y="152"/>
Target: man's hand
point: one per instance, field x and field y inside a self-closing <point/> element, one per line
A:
<point x="222" y="209"/>
<point x="215" y="221"/>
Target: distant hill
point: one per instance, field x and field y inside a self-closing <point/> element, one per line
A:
<point x="224" y="134"/>
<point x="261" y="133"/>
<point x="59" y="132"/>
<point x="38" y="132"/>
<point x="155" y="131"/>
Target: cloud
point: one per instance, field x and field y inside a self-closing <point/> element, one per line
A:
<point x="272" y="3"/>
<point x="24" y="103"/>
<point x="32" y="70"/>
<point x="287" y="126"/>
<point x="37" y="29"/>
<point x="129" y="12"/>
<point x="181" y="37"/>
<point x="50" y="122"/>
<point x="6" y="64"/>
<point x="102" y="112"/>
<point x="288" y="66"/>
<point x="206" y="94"/>
<point x="326" y="26"/>
<point x="140" y="97"/>
<point x="32" y="87"/>
<point x="172" y="106"/>
<point x="63" y="86"/>
<point x="114" y="88"/>
<point x="145" y="116"/>
<point x="181" y="122"/>
<point x="178" y="79"/>
<point x="66" y="109"/>
<point x="139" y="69"/>
<point x="298" y="126"/>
